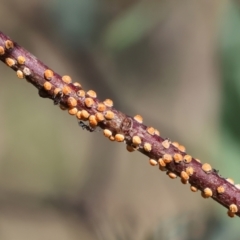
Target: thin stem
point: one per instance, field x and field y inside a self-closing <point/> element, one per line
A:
<point x="117" y="126"/>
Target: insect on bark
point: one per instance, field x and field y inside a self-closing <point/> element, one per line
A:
<point x="57" y="98"/>
<point x="85" y="126"/>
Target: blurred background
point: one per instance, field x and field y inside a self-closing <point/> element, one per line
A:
<point x="176" y="63"/>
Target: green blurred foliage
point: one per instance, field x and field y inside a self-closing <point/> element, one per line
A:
<point x="77" y="19"/>
<point x="133" y="25"/>
<point x="230" y="49"/>
<point x="230" y="68"/>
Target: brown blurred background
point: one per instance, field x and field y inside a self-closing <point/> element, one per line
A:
<point x="174" y="62"/>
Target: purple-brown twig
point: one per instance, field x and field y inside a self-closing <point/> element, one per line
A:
<point x="117" y="126"/>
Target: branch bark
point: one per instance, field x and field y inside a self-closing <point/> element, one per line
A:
<point x="119" y="127"/>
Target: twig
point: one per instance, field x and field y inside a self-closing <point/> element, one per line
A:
<point x="117" y="126"/>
